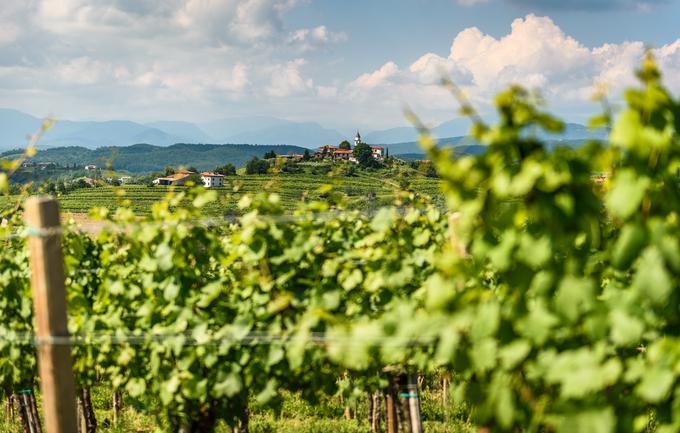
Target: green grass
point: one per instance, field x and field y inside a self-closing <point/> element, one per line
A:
<point x="296" y="416"/>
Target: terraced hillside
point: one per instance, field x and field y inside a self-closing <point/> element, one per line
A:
<point x="364" y="191"/>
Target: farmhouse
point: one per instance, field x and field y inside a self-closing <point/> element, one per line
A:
<point x="212" y="180"/>
<point x="179" y="178"/>
<point x="343" y="154"/>
<point x="89" y="167"/>
<point x="326" y="151"/>
<point x="292" y="156"/>
<point x="378" y="152"/>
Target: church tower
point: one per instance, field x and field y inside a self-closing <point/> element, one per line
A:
<point x="357" y="139"/>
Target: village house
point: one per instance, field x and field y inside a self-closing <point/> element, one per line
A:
<point x="89" y="167"/>
<point x="179" y="178"/>
<point x="345" y="154"/>
<point x="378" y="152"/>
<point x="212" y="180"/>
<point x="293" y="156"/>
<point x="325" y="151"/>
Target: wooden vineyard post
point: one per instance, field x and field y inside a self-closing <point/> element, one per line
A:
<point x="49" y="303"/>
<point x="391" y="402"/>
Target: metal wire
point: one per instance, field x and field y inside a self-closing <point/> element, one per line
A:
<point x="188" y="339"/>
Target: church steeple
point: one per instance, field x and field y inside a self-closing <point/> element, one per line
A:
<point x="357" y="139"/>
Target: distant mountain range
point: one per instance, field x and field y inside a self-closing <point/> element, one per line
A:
<point x="261" y="130"/>
<point x="15" y="127"/>
<point x="573" y="136"/>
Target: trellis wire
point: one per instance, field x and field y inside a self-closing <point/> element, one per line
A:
<point x="250" y="339"/>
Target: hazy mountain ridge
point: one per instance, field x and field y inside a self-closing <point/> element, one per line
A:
<point x="15" y="126"/>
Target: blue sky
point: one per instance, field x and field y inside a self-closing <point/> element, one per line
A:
<point x="343" y="64"/>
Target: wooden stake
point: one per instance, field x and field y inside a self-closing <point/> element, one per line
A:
<point x="49" y="302"/>
<point x="391" y="401"/>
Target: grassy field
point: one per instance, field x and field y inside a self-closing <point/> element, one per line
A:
<point x="366" y="191"/>
<point x="295" y="416"/>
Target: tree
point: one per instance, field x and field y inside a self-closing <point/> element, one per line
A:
<point x="306" y="156"/>
<point x="364" y="155"/>
<point x="345" y="145"/>
<point x="227" y="169"/>
<point x="192" y="169"/>
<point x="169" y="171"/>
<point x="270" y="155"/>
<point x="256" y="166"/>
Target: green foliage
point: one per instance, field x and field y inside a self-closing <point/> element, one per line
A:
<point x="257" y="166"/>
<point x="227" y="170"/>
<point x="345" y="145"/>
<point x="562" y="302"/>
<point x="364" y="155"/>
<point x="553" y="299"/>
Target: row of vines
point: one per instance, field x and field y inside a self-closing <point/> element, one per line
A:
<point x="552" y="298"/>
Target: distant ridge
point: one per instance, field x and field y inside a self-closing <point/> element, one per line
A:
<point x="145" y="158"/>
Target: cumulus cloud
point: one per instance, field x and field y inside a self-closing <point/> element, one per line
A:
<point x="310" y="38"/>
<point x="536" y="53"/>
<point x="286" y="80"/>
<point x="137" y="53"/>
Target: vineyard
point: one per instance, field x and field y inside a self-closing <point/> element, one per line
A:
<point x="539" y="301"/>
<point x="366" y="191"/>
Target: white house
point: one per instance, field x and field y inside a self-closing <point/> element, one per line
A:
<point x="90" y="167"/>
<point x="212" y="180"/>
<point x="378" y="152"/>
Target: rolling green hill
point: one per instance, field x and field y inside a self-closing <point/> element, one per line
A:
<point x="145" y="158"/>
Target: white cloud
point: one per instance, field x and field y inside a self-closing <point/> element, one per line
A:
<point x="308" y="37"/>
<point x="536" y="53"/>
<point x="380" y="76"/>
<point x="286" y="80"/>
<point x="129" y="55"/>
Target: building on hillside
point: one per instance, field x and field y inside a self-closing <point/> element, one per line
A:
<point x="378" y="152"/>
<point x="125" y="179"/>
<point x="46" y="165"/>
<point x="89" y="167"/>
<point x="179" y="178"/>
<point x="324" y="151"/>
<point x="212" y="180"/>
<point x="293" y="156"/>
<point x="346" y="154"/>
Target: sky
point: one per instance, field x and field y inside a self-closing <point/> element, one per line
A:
<point x="343" y="64"/>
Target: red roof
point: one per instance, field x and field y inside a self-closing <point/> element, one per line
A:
<point x="377" y="147"/>
<point x="329" y="147"/>
<point x="343" y="151"/>
<point x="207" y="173"/>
